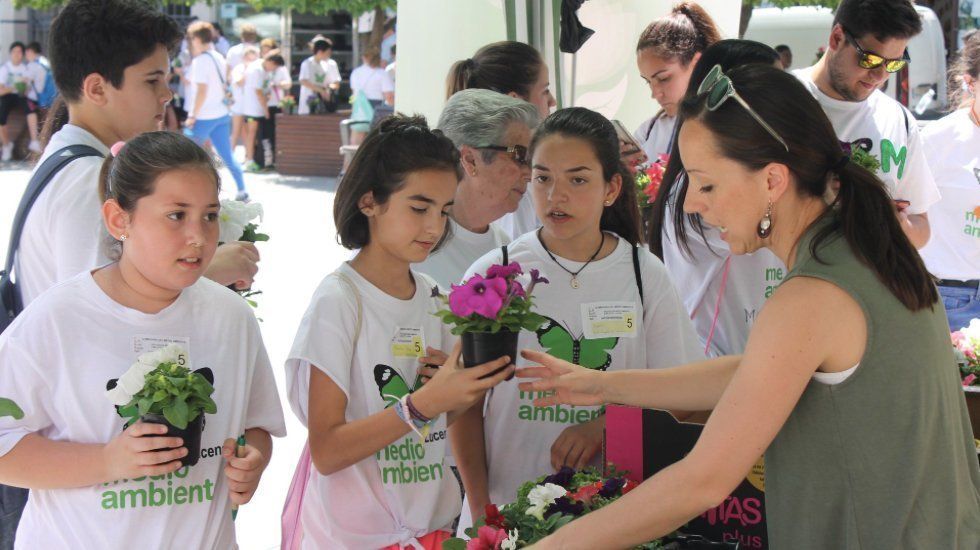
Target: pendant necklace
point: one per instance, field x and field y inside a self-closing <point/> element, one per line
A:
<point x="574" y="282"/>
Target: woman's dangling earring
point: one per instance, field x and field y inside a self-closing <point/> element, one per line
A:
<point x="765" y="224"/>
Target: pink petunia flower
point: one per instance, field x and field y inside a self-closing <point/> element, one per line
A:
<point x="504" y="271"/>
<point x="969" y="380"/>
<point x="488" y="538"/>
<point x="478" y="295"/>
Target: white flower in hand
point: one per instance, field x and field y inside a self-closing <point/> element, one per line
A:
<point x="510" y="543"/>
<point x="133" y="380"/>
<point x="233" y="218"/>
<point x="167" y="354"/>
<point x="543" y="496"/>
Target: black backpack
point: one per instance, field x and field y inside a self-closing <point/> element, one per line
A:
<point x="9" y="294"/>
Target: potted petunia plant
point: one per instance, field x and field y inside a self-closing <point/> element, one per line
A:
<point x="489" y="311"/>
<point x="159" y="388"/>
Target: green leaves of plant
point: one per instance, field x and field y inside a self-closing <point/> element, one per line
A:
<point x="174" y="392"/>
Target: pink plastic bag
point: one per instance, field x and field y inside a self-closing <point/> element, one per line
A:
<point x="292" y="511"/>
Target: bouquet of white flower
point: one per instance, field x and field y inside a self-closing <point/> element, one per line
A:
<point x="236" y="223"/>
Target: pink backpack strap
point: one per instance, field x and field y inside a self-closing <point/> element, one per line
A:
<point x="292" y="527"/>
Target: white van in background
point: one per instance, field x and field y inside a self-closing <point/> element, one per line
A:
<point x="805" y="29"/>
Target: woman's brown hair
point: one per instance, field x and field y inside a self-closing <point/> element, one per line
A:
<point x="687" y="30"/>
<point x="504" y="67"/>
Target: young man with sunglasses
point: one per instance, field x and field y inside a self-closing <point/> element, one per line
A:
<point x="867" y="43"/>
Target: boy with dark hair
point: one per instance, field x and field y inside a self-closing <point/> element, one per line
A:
<point x="111" y="63"/>
<point x="15" y="87"/>
<point x="867" y="43"/>
<point x="42" y="89"/>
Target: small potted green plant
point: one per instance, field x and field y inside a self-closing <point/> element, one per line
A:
<point x="489" y="311"/>
<point x="160" y="389"/>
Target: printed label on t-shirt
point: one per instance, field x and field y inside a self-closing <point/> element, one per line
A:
<point x="408" y="342"/>
<point x="972" y="226"/>
<point x="144" y="344"/>
<point x="609" y="320"/>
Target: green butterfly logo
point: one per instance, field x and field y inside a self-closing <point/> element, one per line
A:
<point x="391" y="384"/>
<point x="9" y="408"/>
<point x="591" y="354"/>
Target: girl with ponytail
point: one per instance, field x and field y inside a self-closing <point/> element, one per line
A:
<point x="518" y="70"/>
<point x="665" y="55"/>
<point x="847" y="384"/>
<point x="589" y="248"/>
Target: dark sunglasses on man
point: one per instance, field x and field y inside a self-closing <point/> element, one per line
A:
<point x="870" y="60"/>
<point x="517" y="153"/>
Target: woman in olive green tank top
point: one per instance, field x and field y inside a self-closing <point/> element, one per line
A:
<point x="847" y="383"/>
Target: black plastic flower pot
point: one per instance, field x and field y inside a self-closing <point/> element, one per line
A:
<point x="191" y="435"/>
<point x="483" y="347"/>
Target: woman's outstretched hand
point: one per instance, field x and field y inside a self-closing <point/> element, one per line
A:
<point x="567" y="383"/>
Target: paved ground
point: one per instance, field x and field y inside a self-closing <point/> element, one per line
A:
<point x="298" y="216"/>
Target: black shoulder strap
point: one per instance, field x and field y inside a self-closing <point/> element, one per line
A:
<point x="636" y="271"/>
<point x="908" y="128"/>
<point x="51" y="166"/>
<point x="503" y="251"/>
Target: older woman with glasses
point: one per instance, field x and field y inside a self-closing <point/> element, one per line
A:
<point x="492" y="132"/>
<point x="847" y="383"/>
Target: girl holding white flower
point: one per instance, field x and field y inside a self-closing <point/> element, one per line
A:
<point x="377" y="436"/>
<point x="96" y="483"/>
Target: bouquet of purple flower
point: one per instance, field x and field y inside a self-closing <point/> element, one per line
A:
<point x="490" y="310"/>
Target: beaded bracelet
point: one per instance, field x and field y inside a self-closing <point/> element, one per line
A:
<point x="415" y="412"/>
<point x="417" y="426"/>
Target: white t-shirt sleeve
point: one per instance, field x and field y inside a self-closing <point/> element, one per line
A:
<point x="24" y="385"/>
<point x="74" y="233"/>
<point x="670" y="336"/>
<point x="325" y="338"/>
<point x="5" y="76"/>
<point x="304" y="69"/>
<point x="333" y="73"/>
<point x="917" y="186"/>
<point x="264" y="410"/>
<point x="201" y="70"/>
<point x="387" y="83"/>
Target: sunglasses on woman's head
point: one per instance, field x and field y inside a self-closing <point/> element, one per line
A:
<point x="517" y="153"/>
<point x="869" y="60"/>
<point x="719" y="88"/>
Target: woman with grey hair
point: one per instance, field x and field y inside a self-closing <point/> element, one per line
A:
<point x="492" y="132"/>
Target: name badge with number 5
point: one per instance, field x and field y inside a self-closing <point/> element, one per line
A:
<point x="609" y="319"/>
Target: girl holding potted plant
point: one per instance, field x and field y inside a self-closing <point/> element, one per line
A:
<point x="377" y="436"/>
<point x="609" y="306"/>
<point x="96" y="483"/>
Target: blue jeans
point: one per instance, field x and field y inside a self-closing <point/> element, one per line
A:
<point x="218" y="130"/>
<point x="962" y="305"/>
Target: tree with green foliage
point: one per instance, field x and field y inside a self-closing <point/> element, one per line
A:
<point x="748" y="5"/>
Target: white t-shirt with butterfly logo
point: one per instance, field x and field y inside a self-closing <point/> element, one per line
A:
<point x="601" y="325"/>
<point x="56" y="360"/>
<point x="405" y="490"/>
